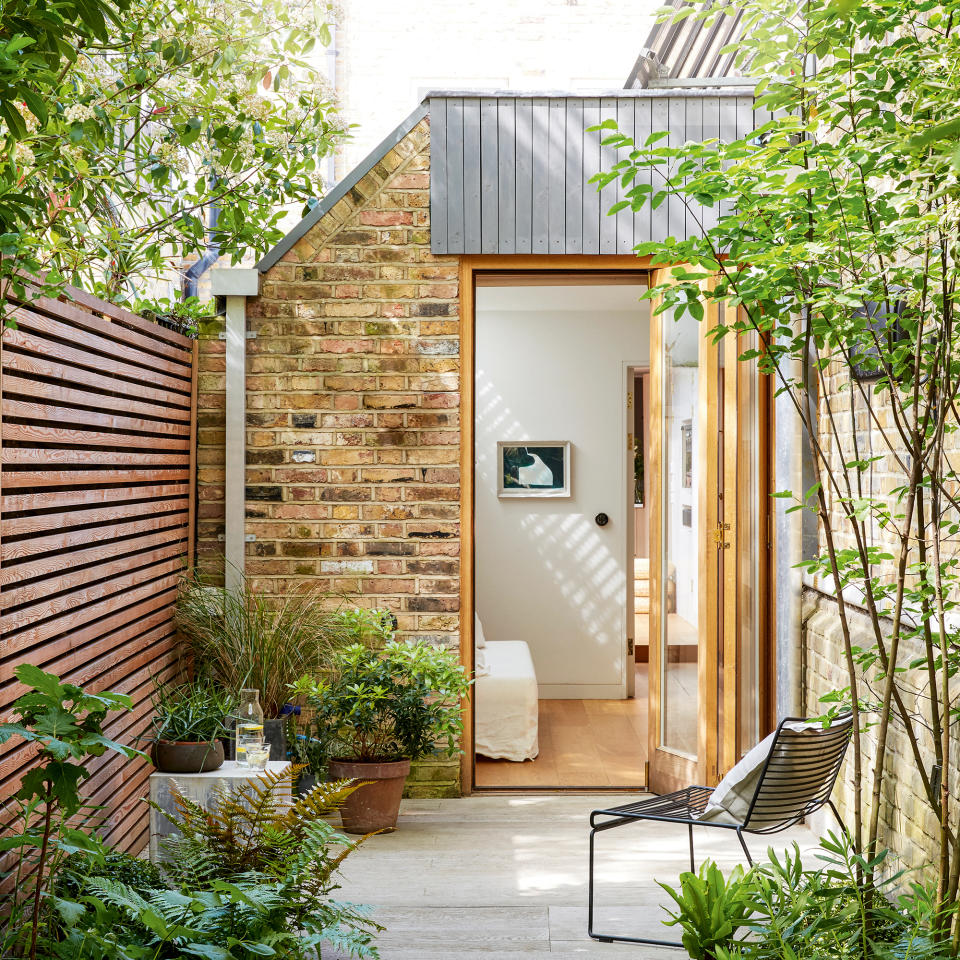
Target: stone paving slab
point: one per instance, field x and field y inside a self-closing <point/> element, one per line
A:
<point x="506" y="876"/>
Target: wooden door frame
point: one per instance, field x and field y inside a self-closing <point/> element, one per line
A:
<point x="469" y="267"/>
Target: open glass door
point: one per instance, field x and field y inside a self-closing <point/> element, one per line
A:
<point x="706" y="523"/>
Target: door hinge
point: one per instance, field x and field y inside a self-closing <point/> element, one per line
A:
<point x="630" y="400"/>
<point x="630" y="646"/>
<point x="630" y="443"/>
<point x="719" y="534"/>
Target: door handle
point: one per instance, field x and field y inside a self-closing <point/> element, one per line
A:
<point x="601" y="519"/>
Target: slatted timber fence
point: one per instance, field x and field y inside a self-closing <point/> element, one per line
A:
<point x="96" y="492"/>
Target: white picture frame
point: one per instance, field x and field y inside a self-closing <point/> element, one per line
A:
<point x="534" y="468"/>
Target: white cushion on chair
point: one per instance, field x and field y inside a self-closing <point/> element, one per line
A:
<point x="730" y="800"/>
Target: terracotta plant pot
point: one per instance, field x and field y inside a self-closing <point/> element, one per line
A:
<point x="186" y="757"/>
<point x="375" y="805"/>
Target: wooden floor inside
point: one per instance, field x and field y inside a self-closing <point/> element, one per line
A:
<point x="583" y="743"/>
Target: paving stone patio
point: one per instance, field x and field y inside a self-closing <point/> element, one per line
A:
<point x="506" y="876"/>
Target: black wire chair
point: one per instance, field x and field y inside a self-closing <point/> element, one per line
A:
<point x="797" y="779"/>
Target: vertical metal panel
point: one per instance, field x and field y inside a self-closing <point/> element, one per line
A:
<point x="510" y="174"/>
<point x="524" y="176"/>
<point x="745" y="117"/>
<point x="576" y="177"/>
<point x="591" y="165"/>
<point x="454" y="154"/>
<point x="624" y="218"/>
<point x="728" y="133"/>
<point x="541" y="176"/>
<point x="472" y="209"/>
<point x="557" y="199"/>
<point x="711" y="131"/>
<point x="438" y="175"/>
<point x="676" y="214"/>
<point x="506" y="175"/>
<point x="658" y="217"/>
<point x="642" y="114"/>
<point x="489" y="176"/>
<point x="608" y="157"/>
<point x="693" y="130"/>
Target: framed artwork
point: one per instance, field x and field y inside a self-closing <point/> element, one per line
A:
<point x="686" y="453"/>
<point x="535" y="469"/>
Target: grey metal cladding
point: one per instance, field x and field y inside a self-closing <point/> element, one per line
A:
<point x="509" y="173"/>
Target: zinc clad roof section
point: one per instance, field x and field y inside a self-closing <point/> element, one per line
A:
<point x="516" y="178"/>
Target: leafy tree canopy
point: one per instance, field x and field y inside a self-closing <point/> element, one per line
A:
<point x="123" y="124"/>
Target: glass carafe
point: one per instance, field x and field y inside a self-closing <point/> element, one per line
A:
<point x="249" y="724"/>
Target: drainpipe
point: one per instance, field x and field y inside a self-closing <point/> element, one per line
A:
<point x="235" y="284"/>
<point x="191" y="279"/>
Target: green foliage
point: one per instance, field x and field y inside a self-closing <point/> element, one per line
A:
<point x="253" y="878"/>
<point x="122" y="123"/>
<point x="241" y="638"/>
<point x="787" y="911"/>
<point x="710" y="909"/>
<point x="391" y="703"/>
<point x="134" y="872"/>
<point x="195" y="712"/>
<point x="65" y="724"/>
<point x="372" y="628"/>
<point x="834" y="257"/>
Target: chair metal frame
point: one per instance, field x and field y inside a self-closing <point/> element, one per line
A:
<point x="797" y="779"/>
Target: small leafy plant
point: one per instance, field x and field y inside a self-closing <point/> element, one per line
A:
<point x="389" y="704"/>
<point x="191" y="712"/>
<point x="65" y="723"/>
<point x="711" y="909"/>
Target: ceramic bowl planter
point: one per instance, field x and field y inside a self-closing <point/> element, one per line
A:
<point x="188" y="725"/>
<point x="375" y="806"/>
<point x="184" y="756"/>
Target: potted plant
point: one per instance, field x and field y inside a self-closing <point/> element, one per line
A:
<point x="189" y="720"/>
<point x="243" y="638"/>
<point x="380" y="710"/>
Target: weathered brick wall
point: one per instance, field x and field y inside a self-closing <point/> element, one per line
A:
<point x="909" y="826"/>
<point x="353" y="437"/>
<point x="352" y="408"/>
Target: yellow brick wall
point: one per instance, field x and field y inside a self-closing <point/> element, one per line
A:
<point x="909" y="827"/>
<point x="352" y="409"/>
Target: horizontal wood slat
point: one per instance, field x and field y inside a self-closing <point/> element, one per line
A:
<point x="74" y="375"/>
<point x="90" y="479"/>
<point x="96" y="504"/>
<point x="172" y="374"/>
<point x="80" y="317"/>
<point x="16" y="385"/>
<point x="80" y="357"/>
<point x="92" y="418"/>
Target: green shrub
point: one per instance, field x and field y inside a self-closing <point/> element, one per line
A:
<point x="389" y="704"/>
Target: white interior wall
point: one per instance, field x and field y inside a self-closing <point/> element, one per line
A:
<point x="552" y="365"/>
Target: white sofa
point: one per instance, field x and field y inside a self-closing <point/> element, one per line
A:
<point x="506" y="711"/>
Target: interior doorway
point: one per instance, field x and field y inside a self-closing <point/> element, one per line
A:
<point x="560" y="697"/>
<point x="671" y="597"/>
